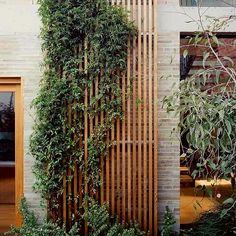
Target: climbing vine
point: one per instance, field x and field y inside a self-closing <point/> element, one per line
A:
<point x="84" y="43"/>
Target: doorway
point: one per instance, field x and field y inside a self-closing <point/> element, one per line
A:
<point x="11" y="152"/>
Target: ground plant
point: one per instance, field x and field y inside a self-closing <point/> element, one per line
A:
<point x="97" y="217"/>
<point x="168" y="225"/>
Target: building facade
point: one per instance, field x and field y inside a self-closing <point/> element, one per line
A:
<point x="21" y="58"/>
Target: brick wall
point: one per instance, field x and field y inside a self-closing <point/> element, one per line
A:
<point x="168" y="148"/>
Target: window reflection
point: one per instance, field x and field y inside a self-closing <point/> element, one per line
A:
<point x="208" y="3"/>
<point x="7" y="126"/>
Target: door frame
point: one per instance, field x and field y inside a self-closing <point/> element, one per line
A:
<point x="14" y="84"/>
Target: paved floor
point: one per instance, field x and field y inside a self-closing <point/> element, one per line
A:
<point x="193" y="201"/>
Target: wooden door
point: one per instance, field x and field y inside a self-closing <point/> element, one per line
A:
<point x="11" y="150"/>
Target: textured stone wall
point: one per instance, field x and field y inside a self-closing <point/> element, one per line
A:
<point x="168" y="148"/>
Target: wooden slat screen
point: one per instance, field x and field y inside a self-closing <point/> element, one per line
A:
<point x="129" y="173"/>
<point x="136" y="150"/>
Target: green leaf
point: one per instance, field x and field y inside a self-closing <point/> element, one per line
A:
<point x="217" y="76"/>
<point x="209" y="192"/>
<point x="223" y="213"/>
<point x="185" y="53"/>
<point x="206" y="55"/>
<point x="196" y="136"/>
<point x="212" y="164"/>
<point x="199" y="164"/>
<point x="194" y="174"/>
<point x="223" y="146"/>
<point x="222" y="114"/>
<point x="228" y="126"/>
<point x="229" y="59"/>
<point x="228" y="201"/>
<point x="215" y="39"/>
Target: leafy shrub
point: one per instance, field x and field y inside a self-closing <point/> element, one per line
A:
<point x="31" y="226"/>
<point x="97" y="216"/>
<point x="214" y="223"/>
<point x="169" y="221"/>
<point x="101" y="224"/>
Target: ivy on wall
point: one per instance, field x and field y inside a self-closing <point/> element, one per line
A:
<point x="83" y="42"/>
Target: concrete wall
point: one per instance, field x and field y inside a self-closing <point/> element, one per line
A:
<point x="20" y="55"/>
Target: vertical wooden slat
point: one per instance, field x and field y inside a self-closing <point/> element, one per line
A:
<point x="123" y="146"/>
<point x="107" y="173"/>
<point x="123" y="154"/>
<point x="113" y="160"/>
<point x="129" y="126"/>
<point x="151" y="128"/>
<point x="155" y="124"/>
<point x="75" y="177"/>
<point x="65" y="191"/>
<point x="118" y="163"/>
<point x="91" y="128"/>
<point x="119" y="154"/>
<point x="115" y="204"/>
<point x="69" y="202"/>
<point x="139" y="113"/>
<point x="75" y="190"/>
<point x="96" y="116"/>
<point x="90" y="118"/>
<point x="145" y="112"/>
<point x="69" y="194"/>
<point x="134" y="123"/>
<point x="81" y="116"/>
<point x="86" y="130"/>
<point x="80" y="182"/>
<point x="102" y="161"/>
<point x="64" y="200"/>
<point x="112" y="171"/>
<point x="107" y="163"/>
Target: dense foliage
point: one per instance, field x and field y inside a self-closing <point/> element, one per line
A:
<point x="212" y="223"/>
<point x="31" y="226"/>
<point x="101" y="224"/>
<point x="85" y="45"/>
<point x="84" y="42"/>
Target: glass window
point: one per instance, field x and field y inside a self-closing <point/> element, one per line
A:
<point x="208" y="3"/>
<point x="7" y="126"/>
